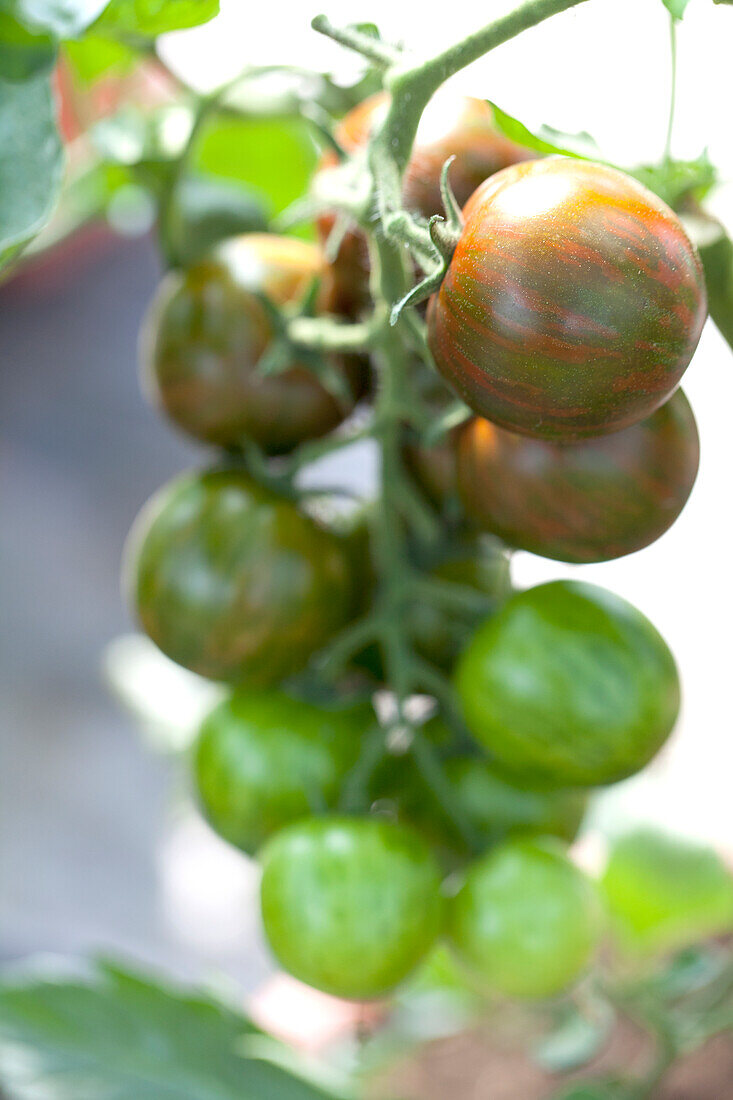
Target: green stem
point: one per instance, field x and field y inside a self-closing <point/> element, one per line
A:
<point x="673" y="89"/>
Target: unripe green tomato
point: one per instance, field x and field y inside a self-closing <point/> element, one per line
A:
<point x="526" y="920"/>
<point x="664" y="893"/>
<point x="591" y="501"/>
<point x="573" y="302"/>
<point x="350" y="905"/>
<point x="233" y="582"/>
<point x="206" y="332"/>
<point x="570" y="685"/>
<point x="264" y="759"/>
<point x="451" y="125"/>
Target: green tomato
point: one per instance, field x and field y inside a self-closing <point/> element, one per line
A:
<point x="525" y="921"/>
<point x="264" y="759"/>
<point x="234" y="582"/>
<point x="569" y="685"/>
<point x="350" y="905"/>
<point x="664" y="894"/>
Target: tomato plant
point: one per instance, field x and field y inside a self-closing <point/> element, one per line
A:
<point x="408" y="742"/>
<point x="605" y="307"/>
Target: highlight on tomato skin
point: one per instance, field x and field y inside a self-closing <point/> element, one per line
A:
<point x="590" y="501"/>
<point x="526" y="922"/>
<point x="206" y="332"/>
<point x="350" y="905"/>
<point x="232" y="581"/>
<point x="573" y="303"/>
<point x="568" y="685"/>
<point x="452" y="125"/>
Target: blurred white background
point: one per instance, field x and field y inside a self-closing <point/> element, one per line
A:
<point x="164" y="887"/>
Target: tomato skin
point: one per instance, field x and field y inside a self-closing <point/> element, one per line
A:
<point x="592" y="501"/>
<point x="264" y="759"/>
<point x="573" y="303"/>
<point x="435" y="468"/>
<point x="234" y="582"/>
<point x="350" y="905"/>
<point x="526" y="920"/>
<point x="205" y="333"/>
<point x="452" y="125"/>
<point x="569" y="684"/>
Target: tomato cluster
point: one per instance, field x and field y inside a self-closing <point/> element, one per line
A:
<point x="571" y="307"/>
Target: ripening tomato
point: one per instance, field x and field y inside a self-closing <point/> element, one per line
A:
<point x="569" y="684"/>
<point x="264" y="759"/>
<point x="451" y="125"/>
<point x="435" y="469"/>
<point x="205" y="334"/>
<point x="573" y="302"/>
<point x="590" y="501"/>
<point x="234" y="582"/>
<point x="526" y="920"/>
<point x="350" y="905"/>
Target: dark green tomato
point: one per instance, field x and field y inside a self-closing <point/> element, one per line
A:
<point x="452" y="126"/>
<point x="435" y="469"/>
<point x="264" y="759"/>
<point x="573" y="303"/>
<point x="350" y="905"/>
<point x="206" y="332"/>
<point x="526" y="920"/>
<point x="592" y="501"/>
<point x="234" y="582"/>
<point x="569" y="684"/>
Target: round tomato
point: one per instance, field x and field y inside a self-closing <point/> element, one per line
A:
<point x="664" y="893"/>
<point x="526" y="920"/>
<point x="592" y="501"/>
<point x="350" y="905"/>
<point x="234" y="582"/>
<point x="435" y="469"/>
<point x="206" y="332"/>
<point x="569" y="684"/>
<point x="451" y="125"/>
<point x="264" y="759"/>
<point x="573" y="302"/>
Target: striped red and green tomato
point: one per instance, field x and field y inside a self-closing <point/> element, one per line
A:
<point x="591" y="501"/>
<point x="573" y="302"/>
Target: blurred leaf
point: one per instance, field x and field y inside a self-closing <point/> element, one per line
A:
<point x="676" y="180"/>
<point x="609" y="1089"/>
<point x="93" y="56"/>
<point x="149" y="18"/>
<point x="717" y="260"/>
<point x="23" y="53"/>
<point x="275" y="157"/>
<point x="31" y="161"/>
<point x="547" y="140"/>
<point x="578" y="1038"/>
<point x="119" y="1035"/>
<point x="64" y="18"/>
<point x="676" y="8"/>
<point x="664" y="893"/>
<point x="209" y="210"/>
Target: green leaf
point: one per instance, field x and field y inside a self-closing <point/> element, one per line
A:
<point x="595" y="1090"/>
<point x="118" y="1035"/>
<point x="208" y="210"/>
<point x="149" y="18"/>
<point x="547" y="140"/>
<point x="577" y="1038"/>
<point x="664" y="893"/>
<point x="93" y="56"/>
<point x="63" y="18"/>
<point x="23" y="53"/>
<point x="274" y="157"/>
<point x="716" y="252"/>
<point x="676" y="8"/>
<point x="31" y="162"/>
<point x="676" y="180"/>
